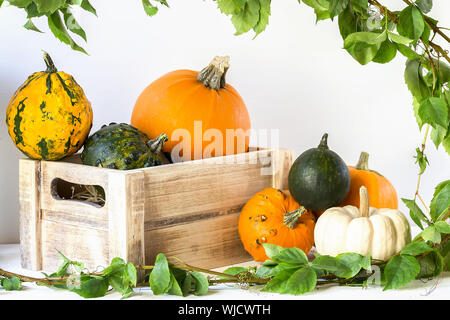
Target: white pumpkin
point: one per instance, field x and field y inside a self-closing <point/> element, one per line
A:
<point x="380" y="232"/>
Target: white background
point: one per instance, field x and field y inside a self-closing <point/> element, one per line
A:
<point x="294" y="77"/>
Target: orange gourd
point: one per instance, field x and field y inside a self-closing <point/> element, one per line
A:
<point x="382" y="193"/>
<point x="270" y="216"/>
<point x="182" y="98"/>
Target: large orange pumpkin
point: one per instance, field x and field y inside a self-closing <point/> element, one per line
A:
<point x="382" y="193"/>
<point x="270" y="216"/>
<point x="181" y="99"/>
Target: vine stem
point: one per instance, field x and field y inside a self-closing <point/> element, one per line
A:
<point x="436" y="29"/>
<point x="22" y="278"/>
<point x="431" y="24"/>
<point x="422" y="148"/>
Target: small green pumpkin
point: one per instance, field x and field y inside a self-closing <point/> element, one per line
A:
<point x="319" y="178"/>
<point x="123" y="147"/>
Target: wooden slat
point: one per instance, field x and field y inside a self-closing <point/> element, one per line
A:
<point x="29" y="214"/>
<point x="283" y="159"/>
<point x="208" y="243"/>
<point x="207" y="187"/>
<point x="77" y="174"/>
<point x="125" y="196"/>
<point x="80" y="243"/>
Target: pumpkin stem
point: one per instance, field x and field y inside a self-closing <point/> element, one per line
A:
<point x="323" y="142"/>
<point x="290" y="218"/>
<point x="156" y="145"/>
<point x="363" y="202"/>
<point x="49" y="63"/>
<point x="213" y="76"/>
<point x="363" y="162"/>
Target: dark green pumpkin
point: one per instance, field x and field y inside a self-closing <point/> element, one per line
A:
<point x="121" y="146"/>
<point x="319" y="178"/>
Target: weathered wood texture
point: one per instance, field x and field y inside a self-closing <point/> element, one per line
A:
<point x="187" y="210"/>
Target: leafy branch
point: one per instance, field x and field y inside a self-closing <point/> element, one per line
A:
<point x="287" y="271"/>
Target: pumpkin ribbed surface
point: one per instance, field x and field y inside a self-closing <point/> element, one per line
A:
<point x="123" y="147"/>
<point x="49" y="116"/>
<point x="263" y="220"/>
<point x="178" y="99"/>
<point x="382" y="193"/>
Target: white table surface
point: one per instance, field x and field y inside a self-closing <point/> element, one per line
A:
<point x="434" y="289"/>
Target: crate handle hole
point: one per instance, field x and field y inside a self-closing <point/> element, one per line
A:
<point x="90" y="194"/>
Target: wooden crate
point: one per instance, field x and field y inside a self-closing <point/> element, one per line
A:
<point x="188" y="210"/>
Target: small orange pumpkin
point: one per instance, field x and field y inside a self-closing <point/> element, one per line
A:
<point x="382" y="193"/>
<point x="270" y="216"/>
<point x="179" y="100"/>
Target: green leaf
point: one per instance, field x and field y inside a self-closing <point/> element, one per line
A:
<point x="444" y="250"/>
<point x="175" y="288"/>
<point x="414" y="80"/>
<point x="421" y="159"/>
<point x="363" y="46"/>
<point x="400" y="270"/>
<point x="150" y="9"/>
<point x="410" y="23"/>
<point x="92" y="287"/>
<point x="366" y="262"/>
<point x="201" y="283"/>
<point x="386" y="53"/>
<point x="86" y="5"/>
<point x="163" y="2"/>
<point x="72" y="24"/>
<point x="360" y="6"/>
<point x="160" y="276"/>
<point x="293" y="256"/>
<point x="264" y="13"/>
<point x="332" y="265"/>
<point x="20" y="3"/>
<point x="60" y="32"/>
<point x="231" y="6"/>
<point x="347" y="22"/>
<point x="264" y="271"/>
<point x="442" y="227"/>
<point x="416" y="106"/>
<point x="425" y="5"/>
<point x="32" y="11"/>
<point x="407" y="52"/>
<point x="426" y="34"/>
<point x="416" y="248"/>
<point x="430" y="233"/>
<point x="353" y="261"/>
<point x="321" y="8"/>
<point x="365" y="37"/>
<point x="438" y="135"/>
<point x="415" y="212"/>
<point x="30" y="26"/>
<point x="49" y="6"/>
<point x="431" y="265"/>
<point x="398" y="38"/>
<point x="433" y="111"/>
<point x="279" y="282"/>
<point x="187" y="283"/>
<point x="235" y="270"/>
<point x="440" y="203"/>
<point x="301" y="281"/>
<point x="132" y="273"/>
<point x="337" y="6"/>
<point x="247" y="18"/>
<point x="271" y="250"/>
<point x="283" y="266"/>
<point x="10" y="284"/>
<point x="1" y="2"/>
